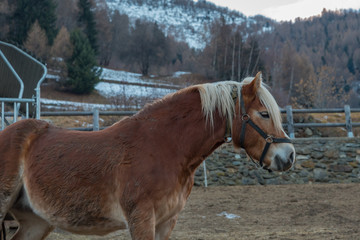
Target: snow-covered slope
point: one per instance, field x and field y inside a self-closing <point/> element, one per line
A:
<point x="184" y="22"/>
<point x="124" y="90"/>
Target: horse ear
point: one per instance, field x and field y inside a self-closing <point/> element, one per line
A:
<point x="255" y="83"/>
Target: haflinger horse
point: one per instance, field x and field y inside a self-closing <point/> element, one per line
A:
<point x="138" y="173"/>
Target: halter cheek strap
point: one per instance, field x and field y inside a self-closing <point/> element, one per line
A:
<point x="268" y="138"/>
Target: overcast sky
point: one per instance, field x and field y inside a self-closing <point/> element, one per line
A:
<point x="286" y="9"/>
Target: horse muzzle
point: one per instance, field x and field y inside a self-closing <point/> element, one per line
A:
<point x="283" y="159"/>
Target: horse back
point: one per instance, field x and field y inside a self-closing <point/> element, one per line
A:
<point x="15" y="142"/>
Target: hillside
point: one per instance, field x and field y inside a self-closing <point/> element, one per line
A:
<point x="186" y="20"/>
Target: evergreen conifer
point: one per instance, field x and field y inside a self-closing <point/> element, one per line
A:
<point x="83" y="73"/>
<point x="87" y="22"/>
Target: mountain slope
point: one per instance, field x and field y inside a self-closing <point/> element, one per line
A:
<point x="186" y="20"/>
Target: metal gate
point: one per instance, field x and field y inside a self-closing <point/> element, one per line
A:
<point x="20" y="78"/>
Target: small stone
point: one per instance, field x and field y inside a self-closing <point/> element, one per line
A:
<point x="304" y="151"/>
<point x="321" y="165"/>
<point x="220" y="173"/>
<point x="357" y="158"/>
<point x="317" y="155"/>
<point x="341" y="168"/>
<point x="342" y="155"/>
<point x="351" y="145"/>
<point x="273" y="181"/>
<point x="230" y="183"/>
<point x="231" y="170"/>
<point x="303" y="173"/>
<point x="308" y="132"/>
<point x="320" y="175"/>
<point x="308" y="164"/>
<point x="302" y="157"/>
<point x="298" y="166"/>
<point x="245" y="172"/>
<point x="236" y="163"/>
<point x="353" y="164"/>
<point x="247" y="181"/>
<point x="331" y="153"/>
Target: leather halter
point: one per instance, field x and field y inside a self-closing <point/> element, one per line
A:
<point x="268" y="138"/>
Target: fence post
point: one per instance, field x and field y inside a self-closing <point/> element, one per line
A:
<point x="15" y="112"/>
<point x="96" y="120"/>
<point x="205" y="175"/>
<point x="290" y="121"/>
<point x="2" y="115"/>
<point x="348" y="121"/>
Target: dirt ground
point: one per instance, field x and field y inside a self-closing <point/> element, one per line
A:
<point x="317" y="211"/>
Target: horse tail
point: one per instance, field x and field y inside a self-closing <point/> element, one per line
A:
<point x="15" y="142"/>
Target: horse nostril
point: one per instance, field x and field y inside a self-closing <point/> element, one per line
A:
<point x="291" y="157"/>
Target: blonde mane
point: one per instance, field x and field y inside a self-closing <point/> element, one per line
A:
<point x="218" y="96"/>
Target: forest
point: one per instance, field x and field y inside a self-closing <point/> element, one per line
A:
<point x="310" y="63"/>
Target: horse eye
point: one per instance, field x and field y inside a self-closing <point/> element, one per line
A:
<point x="265" y="114"/>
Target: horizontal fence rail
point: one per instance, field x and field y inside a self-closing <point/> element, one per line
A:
<point x="16" y="105"/>
<point x="288" y="111"/>
<point x="95" y="114"/>
<point x="348" y="124"/>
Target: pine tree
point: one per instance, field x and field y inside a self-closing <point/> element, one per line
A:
<point x="27" y="12"/>
<point x="61" y="52"/>
<point x="83" y="73"/>
<point x="87" y="22"/>
<point x="62" y="47"/>
<point x="36" y="41"/>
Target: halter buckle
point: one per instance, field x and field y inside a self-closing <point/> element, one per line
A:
<point x="245" y="117"/>
<point x="269" y="139"/>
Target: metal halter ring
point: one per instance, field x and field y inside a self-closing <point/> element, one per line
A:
<point x="245" y="117"/>
<point x="269" y="139"/>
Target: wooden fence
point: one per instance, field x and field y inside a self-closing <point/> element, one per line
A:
<point x="290" y="125"/>
<point x="347" y="124"/>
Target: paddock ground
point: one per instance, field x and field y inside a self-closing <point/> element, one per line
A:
<point x="312" y="211"/>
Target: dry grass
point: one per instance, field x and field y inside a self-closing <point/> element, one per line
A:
<point x="49" y="91"/>
<point x="81" y="121"/>
<point x="326" y="118"/>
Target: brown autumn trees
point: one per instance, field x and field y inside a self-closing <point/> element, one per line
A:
<point x="322" y="52"/>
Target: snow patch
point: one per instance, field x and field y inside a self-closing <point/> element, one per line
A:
<point x="114" y="89"/>
<point x="228" y="215"/>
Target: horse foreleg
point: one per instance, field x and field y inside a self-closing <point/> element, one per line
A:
<point x="141" y="224"/>
<point x="31" y="226"/>
<point x="163" y="230"/>
<point x="10" y="185"/>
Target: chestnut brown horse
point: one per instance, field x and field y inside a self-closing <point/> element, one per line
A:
<point x="138" y="173"/>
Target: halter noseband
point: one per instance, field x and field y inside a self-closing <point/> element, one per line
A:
<point x="268" y="138"/>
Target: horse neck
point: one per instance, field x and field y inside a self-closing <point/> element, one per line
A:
<point x="180" y="125"/>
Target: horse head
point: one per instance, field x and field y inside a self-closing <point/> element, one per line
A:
<point x="256" y="127"/>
